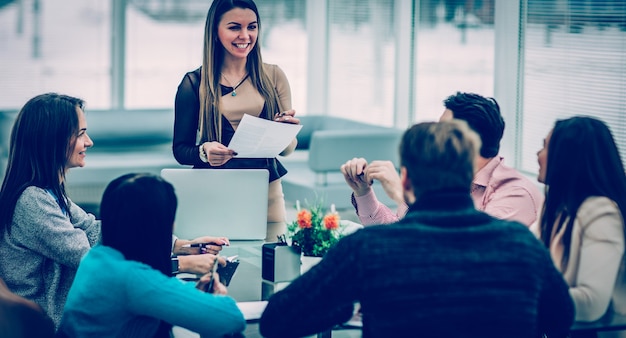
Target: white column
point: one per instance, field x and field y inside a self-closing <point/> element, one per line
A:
<point x="317" y="57"/>
<point x="508" y="75"/>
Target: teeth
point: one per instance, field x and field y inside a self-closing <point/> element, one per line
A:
<point x="242" y="45"/>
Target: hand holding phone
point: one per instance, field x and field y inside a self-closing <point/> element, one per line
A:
<point x="209" y="285"/>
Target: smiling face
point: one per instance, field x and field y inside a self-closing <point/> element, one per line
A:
<point x="80" y="142"/>
<point x="542" y="159"/>
<point x="238" y="31"/>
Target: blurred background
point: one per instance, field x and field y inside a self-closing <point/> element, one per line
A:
<point x="385" y="62"/>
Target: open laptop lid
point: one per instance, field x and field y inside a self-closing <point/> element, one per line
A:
<point x="220" y="202"/>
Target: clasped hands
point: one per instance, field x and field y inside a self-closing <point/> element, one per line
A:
<point x="360" y="176"/>
<point x="218" y="154"/>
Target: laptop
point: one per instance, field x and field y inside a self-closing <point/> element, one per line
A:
<point x="220" y="202"/>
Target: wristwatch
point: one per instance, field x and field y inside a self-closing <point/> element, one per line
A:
<point x="174" y="265"/>
<point x="203" y="155"/>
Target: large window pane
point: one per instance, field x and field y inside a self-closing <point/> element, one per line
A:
<point x="50" y="46"/>
<point x="455" y="52"/>
<point x="361" y="60"/>
<point x="574" y="64"/>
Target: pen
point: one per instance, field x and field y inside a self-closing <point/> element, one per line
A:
<point x="195" y="245"/>
<point x="201" y="245"/>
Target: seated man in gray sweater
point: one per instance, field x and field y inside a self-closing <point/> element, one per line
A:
<point x="444" y="270"/>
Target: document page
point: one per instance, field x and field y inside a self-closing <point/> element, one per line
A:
<point x="258" y="138"/>
<point x="252" y="310"/>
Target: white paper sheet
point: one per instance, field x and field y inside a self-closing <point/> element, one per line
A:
<point x="258" y="138"/>
<point x="252" y="310"/>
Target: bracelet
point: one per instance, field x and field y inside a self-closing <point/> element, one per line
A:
<point x="203" y="155"/>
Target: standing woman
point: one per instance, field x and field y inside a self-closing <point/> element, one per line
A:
<point x="43" y="234"/>
<point x="582" y="221"/>
<point x="232" y="81"/>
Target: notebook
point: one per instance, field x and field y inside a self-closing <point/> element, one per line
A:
<point x="220" y="202"/>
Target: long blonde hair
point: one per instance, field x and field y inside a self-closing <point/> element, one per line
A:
<point x="210" y="116"/>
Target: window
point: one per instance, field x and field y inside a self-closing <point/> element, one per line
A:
<point x="455" y="52"/>
<point x="573" y="64"/>
<point x="361" y="60"/>
<point x="47" y="47"/>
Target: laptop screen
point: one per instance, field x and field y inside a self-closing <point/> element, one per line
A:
<point x="220" y="202"/>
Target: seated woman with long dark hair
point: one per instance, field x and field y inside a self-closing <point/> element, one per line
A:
<point x="124" y="286"/>
<point x="582" y="220"/>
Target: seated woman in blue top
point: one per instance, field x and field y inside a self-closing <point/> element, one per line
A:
<point x="124" y="286"/>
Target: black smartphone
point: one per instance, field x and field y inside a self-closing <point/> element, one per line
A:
<point x="226" y="272"/>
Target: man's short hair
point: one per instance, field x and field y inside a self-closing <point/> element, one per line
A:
<point x="483" y="115"/>
<point x="439" y="155"/>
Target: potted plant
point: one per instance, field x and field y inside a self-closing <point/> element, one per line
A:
<point x="314" y="232"/>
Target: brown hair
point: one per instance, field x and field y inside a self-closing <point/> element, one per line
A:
<point x="439" y="155"/>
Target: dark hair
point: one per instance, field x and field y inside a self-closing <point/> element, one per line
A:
<point x="583" y="161"/>
<point x="439" y="155"/>
<point x="137" y="213"/>
<point x="41" y="140"/>
<point x="213" y="57"/>
<point x="483" y="115"/>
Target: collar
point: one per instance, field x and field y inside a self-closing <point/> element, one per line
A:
<point x="450" y="199"/>
<point x="448" y="208"/>
<point x="483" y="175"/>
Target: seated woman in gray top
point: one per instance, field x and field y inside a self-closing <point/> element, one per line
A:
<point x="43" y="235"/>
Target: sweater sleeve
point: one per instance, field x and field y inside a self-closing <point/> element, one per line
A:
<point x="40" y="225"/>
<point x="370" y="211"/>
<point x="601" y="252"/>
<point x="186" y="114"/>
<point x="317" y="300"/>
<point x="87" y="222"/>
<point x="181" y="304"/>
<point x="555" y="308"/>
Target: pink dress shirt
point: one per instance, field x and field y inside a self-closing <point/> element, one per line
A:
<point x="497" y="190"/>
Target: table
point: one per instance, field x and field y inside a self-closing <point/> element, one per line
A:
<point x="247" y="285"/>
<point x="609" y="322"/>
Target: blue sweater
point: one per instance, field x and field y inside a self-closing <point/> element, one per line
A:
<point x="112" y="296"/>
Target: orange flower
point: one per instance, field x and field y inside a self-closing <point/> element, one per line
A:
<point x="304" y="219"/>
<point x="331" y="221"/>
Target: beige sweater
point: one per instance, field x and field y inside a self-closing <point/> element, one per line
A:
<point x="595" y="270"/>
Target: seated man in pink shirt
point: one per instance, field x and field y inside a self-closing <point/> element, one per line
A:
<point x="498" y="190"/>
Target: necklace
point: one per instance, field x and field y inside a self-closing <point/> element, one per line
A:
<point x="234" y="92"/>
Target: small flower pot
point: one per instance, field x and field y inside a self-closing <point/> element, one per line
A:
<point x="307" y="262"/>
